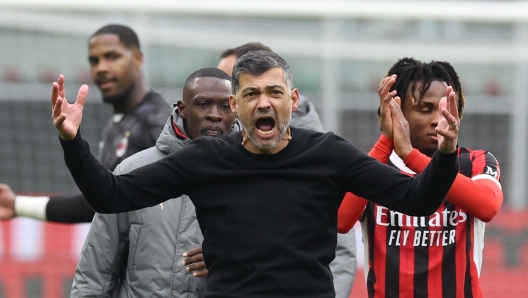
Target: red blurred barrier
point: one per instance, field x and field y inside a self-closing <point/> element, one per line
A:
<point x="52" y="260"/>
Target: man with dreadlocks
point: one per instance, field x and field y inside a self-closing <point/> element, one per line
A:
<point x="439" y="255"/>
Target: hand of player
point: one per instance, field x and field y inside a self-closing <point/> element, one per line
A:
<point x="7" y="202"/>
<point x="385" y="96"/>
<point x="67" y="117"/>
<point x="195" y="262"/>
<point x="449" y="123"/>
<point x="400" y="130"/>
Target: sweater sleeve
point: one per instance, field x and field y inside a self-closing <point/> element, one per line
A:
<point x="144" y="187"/>
<point x="353" y="206"/>
<point x="480" y="195"/>
<point x="69" y="209"/>
<point x="420" y="195"/>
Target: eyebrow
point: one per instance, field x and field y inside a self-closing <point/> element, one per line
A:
<point x="208" y="98"/>
<point x="274" y="87"/>
<point x="266" y="88"/>
<point x="422" y="103"/>
<point x="250" y="89"/>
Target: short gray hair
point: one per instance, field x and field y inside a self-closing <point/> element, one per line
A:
<point x="257" y="63"/>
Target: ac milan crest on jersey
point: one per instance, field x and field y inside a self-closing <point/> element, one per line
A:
<point x="123" y="145"/>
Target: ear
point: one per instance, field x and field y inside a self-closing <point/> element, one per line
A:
<point x="295" y="99"/>
<point x="181" y="109"/>
<point x="138" y="57"/>
<point x="233" y="104"/>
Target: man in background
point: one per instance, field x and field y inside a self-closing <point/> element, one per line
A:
<point x="139" y="114"/>
<point x="440" y="255"/>
<point x="139" y="253"/>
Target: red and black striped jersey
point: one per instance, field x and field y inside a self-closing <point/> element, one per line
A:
<point x="435" y="256"/>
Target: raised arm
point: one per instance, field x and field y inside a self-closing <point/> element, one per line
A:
<point x="420" y="195"/>
<point x="105" y="192"/>
<point x="62" y="209"/>
<point x="144" y="187"/>
<point x="353" y="206"/>
<point x="481" y="194"/>
<point x="69" y="209"/>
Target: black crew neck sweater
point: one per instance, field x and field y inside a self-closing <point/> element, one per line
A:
<point x="269" y="221"/>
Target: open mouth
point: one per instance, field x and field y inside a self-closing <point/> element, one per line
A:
<point x="265" y="126"/>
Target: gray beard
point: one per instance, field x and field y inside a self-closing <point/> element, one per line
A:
<point x="251" y="136"/>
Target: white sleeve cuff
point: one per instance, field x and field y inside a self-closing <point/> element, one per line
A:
<point x="34" y="207"/>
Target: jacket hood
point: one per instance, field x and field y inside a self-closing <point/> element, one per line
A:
<point x="306" y="116"/>
<point x="169" y="142"/>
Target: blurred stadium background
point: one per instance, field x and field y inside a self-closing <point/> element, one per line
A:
<point x="338" y="51"/>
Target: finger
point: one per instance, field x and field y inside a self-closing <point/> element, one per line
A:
<point x="201" y="273"/>
<point x="59" y="115"/>
<point x="54" y="93"/>
<point x="394" y="113"/>
<point x="395" y="108"/>
<point x="82" y="94"/>
<point x="385" y="88"/>
<point x="193" y="259"/>
<point x="449" y="135"/>
<point x="452" y="121"/>
<point x="397" y="100"/>
<point x="193" y="251"/>
<point x="443" y="103"/>
<point x="382" y="83"/>
<point x="389" y="96"/>
<point x="398" y="117"/>
<point x="452" y="104"/>
<point x="196" y="267"/>
<point x="386" y="82"/>
<point x="448" y="126"/>
<point x="57" y="107"/>
<point x="58" y="122"/>
<point x="61" y="81"/>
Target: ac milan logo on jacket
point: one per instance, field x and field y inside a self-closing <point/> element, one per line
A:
<point x="123" y="145"/>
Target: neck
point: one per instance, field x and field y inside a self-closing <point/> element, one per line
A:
<point x="132" y="99"/>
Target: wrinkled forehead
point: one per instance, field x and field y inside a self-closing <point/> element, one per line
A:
<point x="272" y="77"/>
